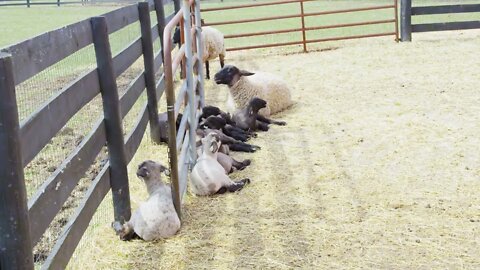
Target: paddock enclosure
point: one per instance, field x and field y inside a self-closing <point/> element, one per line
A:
<point x="377" y="168"/>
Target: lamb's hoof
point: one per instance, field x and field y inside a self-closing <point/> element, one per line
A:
<point x="245" y="181"/>
<point x="281" y="123"/>
<point x="246" y="162"/>
<point x="256" y="147"/>
<point x="117" y="227"/>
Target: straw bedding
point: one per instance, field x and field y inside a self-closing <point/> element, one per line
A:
<point x="378" y="167"/>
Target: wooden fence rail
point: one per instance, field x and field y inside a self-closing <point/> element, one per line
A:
<point x="407" y="11"/>
<point x="23" y="222"/>
<point x="304" y="29"/>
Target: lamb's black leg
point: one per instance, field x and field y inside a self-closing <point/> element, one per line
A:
<point x="240" y="165"/>
<point x="270" y="121"/>
<point x="238" y="185"/>
<point x="207" y="67"/>
<point x="222" y="60"/>
<point x="222" y="190"/>
<point x="244" y="147"/>
<point x="262" y="126"/>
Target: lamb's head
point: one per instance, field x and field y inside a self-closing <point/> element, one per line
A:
<point x="211" y="143"/>
<point x="230" y="75"/>
<point x="257" y="103"/>
<point x="214" y="122"/>
<point x="151" y="171"/>
<point x="210" y="110"/>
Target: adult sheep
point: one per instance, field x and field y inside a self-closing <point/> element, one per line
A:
<point x="208" y="176"/>
<point x="213" y="45"/>
<point x="155" y="218"/>
<point x="245" y="85"/>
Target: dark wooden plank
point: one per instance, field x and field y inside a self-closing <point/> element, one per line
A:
<point x="76" y="226"/>
<point x="158" y="61"/>
<point x="15" y="244"/>
<point x="428" y="27"/>
<point x="136" y="135"/>
<point x="154" y="33"/>
<point x="113" y="120"/>
<point x="53" y="193"/>
<point x="160" y="87"/>
<point x="34" y="55"/>
<point x="134" y="91"/>
<point x="160" y="13"/>
<point x="149" y="66"/>
<point x="124" y="59"/>
<point x="42" y="125"/>
<point x="430" y="10"/>
<point x="119" y="18"/>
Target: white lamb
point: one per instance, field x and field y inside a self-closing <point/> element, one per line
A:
<point x="244" y="86"/>
<point x="155" y="218"/>
<point x="208" y="176"/>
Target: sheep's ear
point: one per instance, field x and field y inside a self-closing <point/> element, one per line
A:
<point x="167" y="172"/>
<point x="246" y="73"/>
<point x="214" y="147"/>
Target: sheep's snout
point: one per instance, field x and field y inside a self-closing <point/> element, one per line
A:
<point x="143" y="172"/>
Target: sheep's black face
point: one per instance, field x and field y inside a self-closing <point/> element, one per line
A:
<point x="226" y="74"/>
<point x="176" y="36"/>
<point x="257" y="104"/>
<point x="150" y="168"/>
<point x="210" y="110"/>
<point x="215" y="122"/>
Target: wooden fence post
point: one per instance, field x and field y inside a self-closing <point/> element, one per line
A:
<point x="113" y="120"/>
<point x="177" y="5"/>
<point x="15" y="242"/>
<point x="303" y="27"/>
<point x="148" y="61"/>
<point x="406" y="20"/>
<point x="160" y="11"/>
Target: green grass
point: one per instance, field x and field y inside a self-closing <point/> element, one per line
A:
<point x="20" y="23"/>
<point x="317" y="6"/>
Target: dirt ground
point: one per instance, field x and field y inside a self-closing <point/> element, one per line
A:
<point x="378" y="168"/>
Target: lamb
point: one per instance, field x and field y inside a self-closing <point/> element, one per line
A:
<point x="216" y="122"/>
<point x="155" y="218"/>
<point x="248" y="118"/>
<point x="233" y="144"/>
<point x="213" y="45"/>
<point x="208" y="176"/>
<point x="245" y="85"/>
<point x="228" y="163"/>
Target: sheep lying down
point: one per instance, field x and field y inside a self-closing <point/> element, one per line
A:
<point x="155" y="218"/>
<point x="245" y="85"/>
<point x="208" y="176"/>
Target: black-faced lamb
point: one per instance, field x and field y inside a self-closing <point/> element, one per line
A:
<point x="208" y="176"/>
<point x="245" y="85"/>
<point x="249" y="119"/>
<point x="155" y="218"/>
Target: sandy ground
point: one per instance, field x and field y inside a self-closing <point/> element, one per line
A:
<point x="378" y="168"/>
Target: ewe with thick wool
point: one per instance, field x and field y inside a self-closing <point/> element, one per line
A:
<point x="245" y="85"/>
<point x="155" y="218"/>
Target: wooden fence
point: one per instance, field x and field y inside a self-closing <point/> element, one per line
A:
<point x="407" y="11"/>
<point x="22" y="222"/>
<point x="29" y="3"/>
<point x="303" y="30"/>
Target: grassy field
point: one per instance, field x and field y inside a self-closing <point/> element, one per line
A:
<point x="39" y="89"/>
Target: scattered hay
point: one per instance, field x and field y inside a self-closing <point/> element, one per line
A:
<point x="378" y="167"/>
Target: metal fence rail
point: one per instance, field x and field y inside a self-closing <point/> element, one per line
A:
<point x="407" y="11"/>
<point x="304" y="29"/>
<point x="193" y="88"/>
